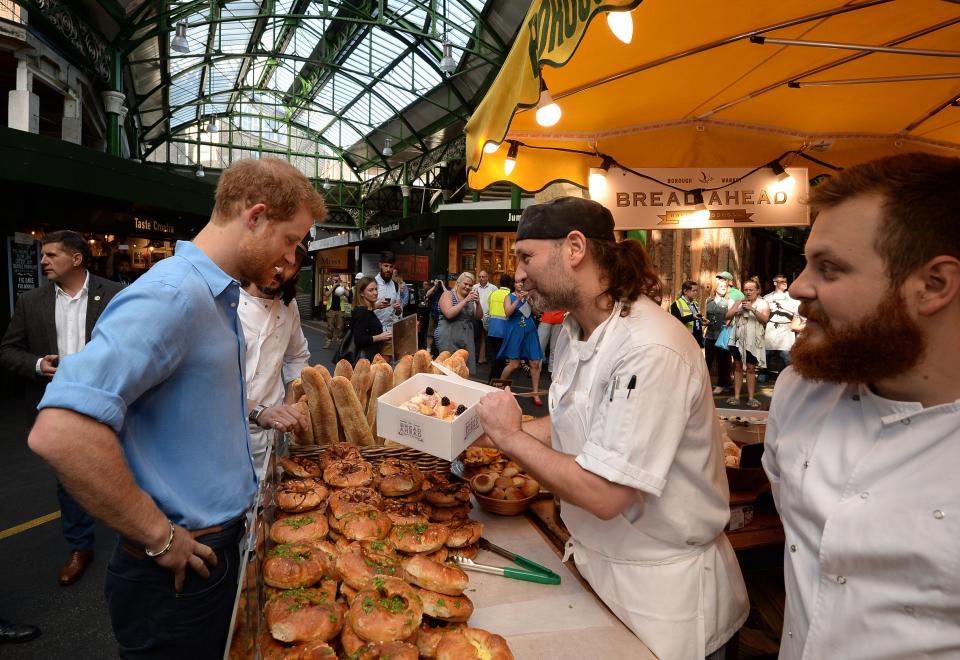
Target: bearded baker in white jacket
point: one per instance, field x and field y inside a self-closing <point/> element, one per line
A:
<point x="632" y="444"/>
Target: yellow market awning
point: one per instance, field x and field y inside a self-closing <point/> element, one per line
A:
<point x="719" y="84"/>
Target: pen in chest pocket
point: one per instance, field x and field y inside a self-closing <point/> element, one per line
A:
<point x="630" y="387"/>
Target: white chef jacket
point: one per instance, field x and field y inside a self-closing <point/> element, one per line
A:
<point x="70" y="317"/>
<point x="664" y="565"/>
<point x="778" y="335"/>
<point x="276" y="354"/>
<point x="867" y="489"/>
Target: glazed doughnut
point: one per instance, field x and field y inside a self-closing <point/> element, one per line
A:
<point x="440" y="555"/>
<point x="399" y="477"/>
<point x="448" y="495"/>
<point x="349" y="640"/>
<point x="467" y="552"/>
<point x="296" y="495"/>
<point x="446" y="514"/>
<point x="294" y="566"/>
<point x="390" y="610"/>
<point x="298" y="528"/>
<point x="301" y="466"/>
<point x="463" y="532"/>
<point x="421" y="537"/>
<point x="348" y="474"/>
<point x="304" y="615"/>
<point x="455" y="609"/>
<point x="358" y="566"/>
<point x="415" y="496"/>
<point x="344" y="501"/>
<point x="341" y="451"/>
<point x="442" y="578"/>
<point x="271" y="649"/>
<point x="406" y="513"/>
<point x="429" y="636"/>
<point x="364" y="524"/>
<point x="347" y="592"/>
<point x="470" y="643"/>
<point x="388" y="651"/>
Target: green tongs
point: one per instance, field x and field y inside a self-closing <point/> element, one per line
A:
<point x="531" y="571"/>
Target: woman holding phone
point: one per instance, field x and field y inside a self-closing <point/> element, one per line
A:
<point x="368" y="332"/>
<point x="459" y="308"/>
<point x="521" y="341"/>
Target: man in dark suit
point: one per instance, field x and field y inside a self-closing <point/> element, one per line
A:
<point x="51" y="321"/>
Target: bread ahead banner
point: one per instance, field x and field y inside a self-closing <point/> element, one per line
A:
<point x="758" y="200"/>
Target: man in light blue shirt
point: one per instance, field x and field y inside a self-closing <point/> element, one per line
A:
<point x="147" y="427"/>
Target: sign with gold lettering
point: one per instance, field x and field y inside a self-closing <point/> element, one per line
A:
<point x="731" y="198"/>
<point x="333" y="259"/>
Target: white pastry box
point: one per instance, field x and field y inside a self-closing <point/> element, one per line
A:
<point x="430" y="435"/>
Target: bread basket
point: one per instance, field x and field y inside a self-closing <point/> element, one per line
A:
<point x="503" y="507"/>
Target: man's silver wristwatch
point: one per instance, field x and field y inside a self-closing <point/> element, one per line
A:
<point x="256" y="412"/>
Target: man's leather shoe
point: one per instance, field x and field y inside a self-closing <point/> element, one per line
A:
<point x="75" y="566"/>
<point x="11" y="633"/>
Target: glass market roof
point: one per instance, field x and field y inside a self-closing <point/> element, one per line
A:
<point x="328" y="84"/>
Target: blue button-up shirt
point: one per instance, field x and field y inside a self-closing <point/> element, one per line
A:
<point x="164" y="369"/>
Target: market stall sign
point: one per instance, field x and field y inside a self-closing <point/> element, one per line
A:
<point x="335" y="259"/>
<point x="757" y="200"/>
<point x="376" y="230"/>
<point x="146" y="224"/>
<point x="23" y="258"/>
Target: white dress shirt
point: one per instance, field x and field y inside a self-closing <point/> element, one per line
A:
<point x="664" y="565"/>
<point x="484" y="293"/>
<point x="71" y="319"/>
<point x="867" y="491"/>
<point x="276" y="354"/>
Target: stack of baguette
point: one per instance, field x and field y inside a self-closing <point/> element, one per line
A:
<point x="343" y="407"/>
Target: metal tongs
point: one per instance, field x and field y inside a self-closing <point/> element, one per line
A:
<point x="531" y="571"/>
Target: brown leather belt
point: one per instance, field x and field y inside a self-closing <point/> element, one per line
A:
<point x="137" y="550"/>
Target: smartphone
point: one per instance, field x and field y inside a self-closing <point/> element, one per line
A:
<point x="387" y="300"/>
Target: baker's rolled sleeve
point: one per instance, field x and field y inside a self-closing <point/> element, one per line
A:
<point x="640" y="430"/>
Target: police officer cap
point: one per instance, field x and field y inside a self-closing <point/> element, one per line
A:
<point x="560" y="216"/>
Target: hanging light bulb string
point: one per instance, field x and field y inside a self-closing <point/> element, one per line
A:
<point x="607" y="161"/>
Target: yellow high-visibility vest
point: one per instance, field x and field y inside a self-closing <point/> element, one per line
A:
<point x="495" y="304"/>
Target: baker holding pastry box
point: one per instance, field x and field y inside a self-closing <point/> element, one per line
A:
<point x="632" y="445"/>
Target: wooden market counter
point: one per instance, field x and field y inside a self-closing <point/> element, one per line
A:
<point x="543" y="621"/>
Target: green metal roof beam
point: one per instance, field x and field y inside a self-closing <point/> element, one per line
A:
<point x="133" y="44"/>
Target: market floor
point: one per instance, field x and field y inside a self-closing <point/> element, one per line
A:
<point x="74" y="620"/>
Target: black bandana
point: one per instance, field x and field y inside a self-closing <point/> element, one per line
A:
<point x="559" y="217"/>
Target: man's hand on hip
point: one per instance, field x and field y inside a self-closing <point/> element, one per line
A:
<point x="186" y="551"/>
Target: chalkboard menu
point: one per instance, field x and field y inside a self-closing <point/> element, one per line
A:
<point x="24" y="260"/>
